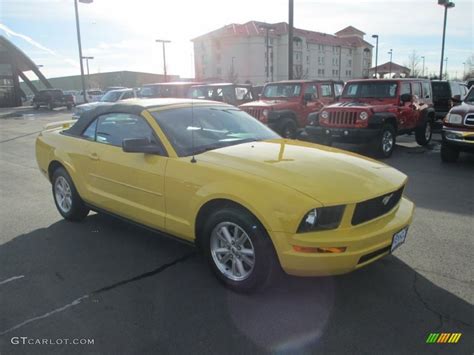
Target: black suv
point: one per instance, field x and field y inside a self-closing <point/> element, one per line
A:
<point x="52" y="98"/>
<point x="446" y="95"/>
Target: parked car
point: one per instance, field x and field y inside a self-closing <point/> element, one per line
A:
<point x="110" y="96"/>
<point x="458" y="130"/>
<point x="284" y="106"/>
<point x="375" y="112"/>
<point x="470" y="82"/>
<point x="446" y="95"/>
<point x="52" y="98"/>
<point x="233" y="94"/>
<point x="110" y="88"/>
<point x="92" y="96"/>
<point x="175" y="89"/>
<point x="73" y="93"/>
<point x="208" y="173"/>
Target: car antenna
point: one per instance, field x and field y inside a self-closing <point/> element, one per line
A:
<point x="193" y="159"/>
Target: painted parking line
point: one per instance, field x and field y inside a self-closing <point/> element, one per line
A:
<point x="12" y="279"/>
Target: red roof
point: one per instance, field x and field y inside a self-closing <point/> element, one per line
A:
<point x="256" y="28"/>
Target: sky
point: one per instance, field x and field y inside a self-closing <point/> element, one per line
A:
<point x="121" y="34"/>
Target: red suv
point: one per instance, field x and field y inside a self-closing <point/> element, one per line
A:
<point x="375" y="112"/>
<point x="285" y="105"/>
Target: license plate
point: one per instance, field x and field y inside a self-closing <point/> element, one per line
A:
<point x="399" y="239"/>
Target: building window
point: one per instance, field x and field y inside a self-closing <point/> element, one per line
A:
<point x="335" y="61"/>
<point x="307" y="58"/>
<point x="321" y="72"/>
<point x="219" y="71"/>
<point x="321" y="60"/>
<point x="320" y="47"/>
<point x="350" y="51"/>
<point x="349" y="73"/>
<point x="349" y="62"/>
<point x="335" y="72"/>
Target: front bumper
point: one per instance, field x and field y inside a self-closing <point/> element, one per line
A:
<point x="365" y="244"/>
<point x="349" y="135"/>
<point x="462" y="140"/>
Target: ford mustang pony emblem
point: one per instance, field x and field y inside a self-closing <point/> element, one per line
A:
<point x="387" y="199"/>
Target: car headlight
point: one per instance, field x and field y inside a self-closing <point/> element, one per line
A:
<point x="323" y="218"/>
<point x="325" y="115"/>
<point x="265" y="113"/>
<point x="363" y="115"/>
<point x="453" y="118"/>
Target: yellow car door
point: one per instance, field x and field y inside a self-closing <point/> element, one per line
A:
<point x="130" y="185"/>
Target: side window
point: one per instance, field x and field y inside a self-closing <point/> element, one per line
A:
<point x="312" y="89"/>
<point x="405" y="89"/>
<point x="426" y="90"/>
<point x="326" y="90"/>
<point x="113" y="128"/>
<point x="416" y="88"/>
<point x="89" y="132"/>
<point x="455" y="89"/>
<point x="338" y="88"/>
<point x="127" y="95"/>
<point x="243" y="93"/>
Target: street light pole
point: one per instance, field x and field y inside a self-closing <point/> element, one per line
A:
<point x="423" y="70"/>
<point x="267" y="28"/>
<point x="390" y="65"/>
<point x="446" y="69"/>
<point x="290" y="40"/>
<point x="79" y="45"/>
<point x="163" y="42"/>
<point x="376" y="52"/>
<point x="87" y="66"/>
<point x="447" y="5"/>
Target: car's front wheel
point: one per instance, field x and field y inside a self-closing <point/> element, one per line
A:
<point x="67" y="200"/>
<point x="239" y="250"/>
<point x="385" y="143"/>
<point x="288" y="128"/>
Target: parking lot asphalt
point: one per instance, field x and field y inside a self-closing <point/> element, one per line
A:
<point x="136" y="292"/>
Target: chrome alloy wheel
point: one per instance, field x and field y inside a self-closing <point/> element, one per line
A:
<point x="387" y="141"/>
<point x="62" y="194"/>
<point x="232" y="251"/>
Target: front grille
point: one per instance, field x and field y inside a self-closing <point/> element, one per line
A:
<point x="469" y="120"/>
<point x="343" y="118"/>
<point x="373" y="255"/>
<point x="255" y="112"/>
<point x="376" y="207"/>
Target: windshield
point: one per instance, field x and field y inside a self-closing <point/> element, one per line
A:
<point x="282" y="90"/>
<point x="199" y="129"/>
<point x="470" y="96"/>
<point x="380" y="90"/>
<point x="111" y="96"/>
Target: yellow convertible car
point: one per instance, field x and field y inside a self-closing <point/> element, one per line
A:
<point x="212" y="175"/>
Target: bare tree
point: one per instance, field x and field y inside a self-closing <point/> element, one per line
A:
<point x="299" y="73"/>
<point x="232" y="76"/>
<point x="414" y="64"/>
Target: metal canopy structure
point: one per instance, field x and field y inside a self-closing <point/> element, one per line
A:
<point x="391" y="69"/>
<point x="13" y="65"/>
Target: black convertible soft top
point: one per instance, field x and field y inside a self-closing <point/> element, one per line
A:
<point x="135" y="107"/>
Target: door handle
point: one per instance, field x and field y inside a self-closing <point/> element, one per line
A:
<point x="93" y="156"/>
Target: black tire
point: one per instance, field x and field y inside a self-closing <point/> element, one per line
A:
<point x="424" y="133"/>
<point x="449" y="154"/>
<point x="288" y="128"/>
<point x="266" y="265"/>
<point x="77" y="211"/>
<point x="51" y="106"/>
<point x="381" y="146"/>
<point x="37" y="107"/>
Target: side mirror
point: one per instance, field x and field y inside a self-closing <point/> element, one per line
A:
<point x="406" y="98"/>
<point x="457" y="98"/>
<point x="140" y="145"/>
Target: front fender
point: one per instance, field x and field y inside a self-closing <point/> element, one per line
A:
<point x="377" y="120"/>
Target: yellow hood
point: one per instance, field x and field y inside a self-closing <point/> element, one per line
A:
<point x="328" y="175"/>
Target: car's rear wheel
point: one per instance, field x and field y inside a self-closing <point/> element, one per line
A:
<point x="51" y="106"/>
<point x="37" y="107"/>
<point x="288" y="128"/>
<point x="449" y="154"/>
<point x="67" y="200"/>
<point x="385" y="143"/>
<point x="424" y="133"/>
<point x="239" y="250"/>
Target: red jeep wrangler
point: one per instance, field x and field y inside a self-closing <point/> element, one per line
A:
<point x="285" y="105"/>
<point x="375" y="112"/>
